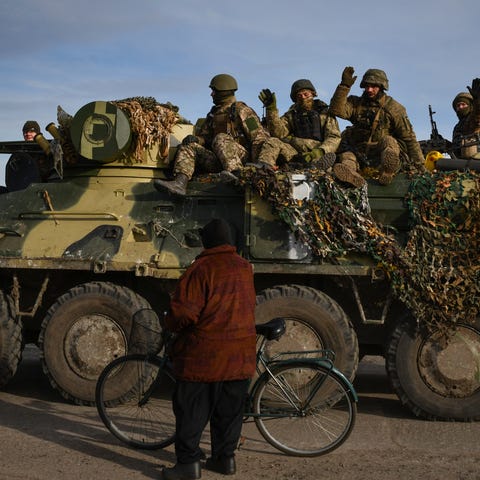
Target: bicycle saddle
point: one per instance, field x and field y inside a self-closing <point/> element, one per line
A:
<point x="273" y="329"/>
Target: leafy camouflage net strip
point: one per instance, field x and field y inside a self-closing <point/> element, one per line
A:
<point x="443" y="248"/>
<point x="436" y="275"/>
<point x="151" y="122"/>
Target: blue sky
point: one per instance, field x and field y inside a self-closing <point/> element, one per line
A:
<point x="68" y="53"/>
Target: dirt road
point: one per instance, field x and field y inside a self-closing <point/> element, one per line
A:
<point x="44" y="438"/>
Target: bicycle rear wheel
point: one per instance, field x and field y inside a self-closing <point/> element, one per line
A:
<point x="304" y="409"/>
<point x="134" y="400"/>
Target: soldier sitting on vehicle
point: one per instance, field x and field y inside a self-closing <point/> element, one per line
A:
<point x="467" y="108"/>
<point x="381" y="135"/>
<point x="230" y="136"/>
<point x="306" y="128"/>
<point x="23" y="168"/>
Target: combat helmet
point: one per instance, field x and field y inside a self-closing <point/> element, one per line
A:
<point x="464" y="97"/>
<point x="374" y="76"/>
<point x="302" y="84"/>
<point x="223" y="82"/>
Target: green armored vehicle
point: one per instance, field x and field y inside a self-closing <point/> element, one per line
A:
<point x="92" y="252"/>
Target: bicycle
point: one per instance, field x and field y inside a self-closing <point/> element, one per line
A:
<point x="301" y="406"/>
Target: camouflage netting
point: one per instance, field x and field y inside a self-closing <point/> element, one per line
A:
<point x="443" y="248"/>
<point x="436" y="275"/>
<point x="151" y="122"/>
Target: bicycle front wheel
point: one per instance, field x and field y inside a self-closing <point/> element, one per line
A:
<point x="134" y="400"/>
<point x="303" y="409"/>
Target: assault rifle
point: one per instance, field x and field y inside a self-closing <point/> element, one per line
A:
<point x="436" y="142"/>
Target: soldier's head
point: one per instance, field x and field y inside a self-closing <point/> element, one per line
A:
<point x="462" y="104"/>
<point x="303" y="92"/>
<point x="215" y="233"/>
<point x="223" y="86"/>
<point x="373" y="82"/>
<point x="30" y="129"/>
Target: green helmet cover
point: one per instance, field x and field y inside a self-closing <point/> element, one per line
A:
<point x="374" y="76"/>
<point x="223" y="82"/>
<point x="464" y="97"/>
<point x="302" y="84"/>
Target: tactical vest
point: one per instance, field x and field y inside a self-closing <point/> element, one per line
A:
<point x="371" y="122"/>
<point x="223" y="121"/>
<point x="307" y="124"/>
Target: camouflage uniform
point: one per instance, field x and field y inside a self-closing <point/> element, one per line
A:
<point x="288" y="127"/>
<point x="381" y="134"/>
<point x="302" y="130"/>
<point x="468" y="124"/>
<point x="230" y="136"/>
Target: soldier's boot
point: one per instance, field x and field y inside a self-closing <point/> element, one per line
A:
<point x="324" y="162"/>
<point x="178" y="186"/>
<point x="346" y="171"/>
<point x="230" y="177"/>
<point x="389" y="165"/>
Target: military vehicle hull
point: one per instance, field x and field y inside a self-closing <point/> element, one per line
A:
<point x="87" y="256"/>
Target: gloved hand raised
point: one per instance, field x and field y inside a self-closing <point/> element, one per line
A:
<point x="347" y="76"/>
<point x="189" y="139"/>
<point x="475" y="88"/>
<point x="267" y="97"/>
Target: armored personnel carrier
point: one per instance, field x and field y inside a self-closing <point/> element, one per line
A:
<point x="93" y="251"/>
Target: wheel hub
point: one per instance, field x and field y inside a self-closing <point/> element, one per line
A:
<point x="452" y="367"/>
<point x="299" y="337"/>
<point x="92" y="342"/>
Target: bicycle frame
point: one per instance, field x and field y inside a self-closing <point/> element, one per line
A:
<point x="325" y="359"/>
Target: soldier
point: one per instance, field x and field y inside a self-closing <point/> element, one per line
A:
<point x="231" y="136"/>
<point x="381" y="134"/>
<point x="22" y="168"/>
<point x="306" y="128"/>
<point x="30" y="129"/>
<point x="467" y="108"/>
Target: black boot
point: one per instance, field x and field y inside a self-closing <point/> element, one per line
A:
<point x="223" y="465"/>
<point x="183" y="471"/>
<point x="177" y="186"/>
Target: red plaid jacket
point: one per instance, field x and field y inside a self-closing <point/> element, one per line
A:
<point x="212" y="310"/>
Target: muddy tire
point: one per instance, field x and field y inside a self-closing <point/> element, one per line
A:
<point x="86" y="328"/>
<point x="314" y="321"/>
<point x="10" y="340"/>
<point x="435" y="379"/>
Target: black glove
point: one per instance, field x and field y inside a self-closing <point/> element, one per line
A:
<point x="267" y="97"/>
<point x="347" y="77"/>
<point x="475" y="88"/>
<point x="189" y="139"/>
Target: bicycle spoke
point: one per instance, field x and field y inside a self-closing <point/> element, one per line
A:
<point x="303" y="409"/>
<point x="134" y="401"/>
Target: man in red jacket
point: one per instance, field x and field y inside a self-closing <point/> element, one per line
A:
<point x="212" y="311"/>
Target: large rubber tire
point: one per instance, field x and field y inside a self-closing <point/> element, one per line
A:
<point x="314" y="321"/>
<point x="10" y="340"/>
<point x="87" y="328"/>
<point x="434" y="379"/>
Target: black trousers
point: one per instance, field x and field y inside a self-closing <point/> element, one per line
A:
<point x="197" y="403"/>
